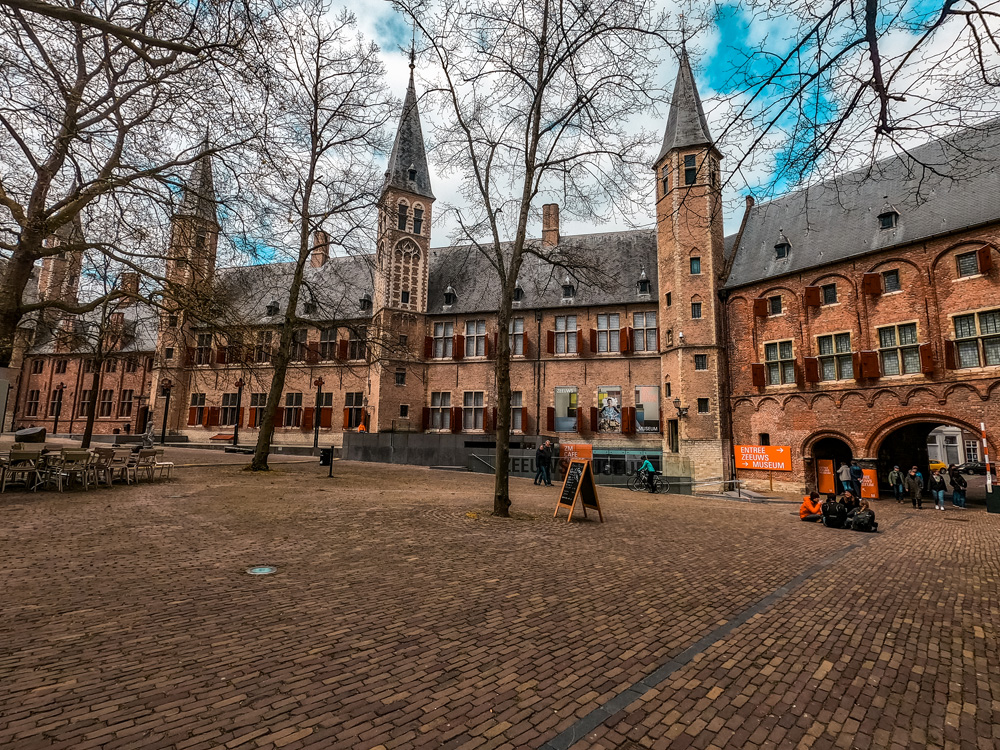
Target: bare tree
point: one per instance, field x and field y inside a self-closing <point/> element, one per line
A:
<point x="835" y="85"/>
<point x="95" y="123"/>
<point x="537" y="98"/>
<point x="329" y="91"/>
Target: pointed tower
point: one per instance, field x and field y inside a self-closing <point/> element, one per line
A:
<point x="59" y="277"/>
<point x="195" y="227"/>
<point x="690" y="257"/>
<point x="402" y="262"/>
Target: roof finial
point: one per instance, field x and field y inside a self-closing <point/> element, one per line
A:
<point x="683" y="34"/>
<point x="413" y="46"/>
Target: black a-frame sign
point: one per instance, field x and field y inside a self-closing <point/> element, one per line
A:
<point x="579" y="484"/>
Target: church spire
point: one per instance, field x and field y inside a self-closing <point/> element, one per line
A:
<point x="407" y="168"/>
<point x="686" y="123"/>
<point x="199" y="191"/>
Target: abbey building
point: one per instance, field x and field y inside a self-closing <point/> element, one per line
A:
<point x="845" y="321"/>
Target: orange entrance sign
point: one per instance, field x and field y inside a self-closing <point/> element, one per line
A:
<point x="827" y="484"/>
<point x="766" y="457"/>
<point x="869" y="484"/>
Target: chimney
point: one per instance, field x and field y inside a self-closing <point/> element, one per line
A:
<point x="128" y="282"/>
<point x="550" y="224"/>
<point x="320" y="250"/>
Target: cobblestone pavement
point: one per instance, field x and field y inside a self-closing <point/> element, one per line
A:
<point x="403" y="616"/>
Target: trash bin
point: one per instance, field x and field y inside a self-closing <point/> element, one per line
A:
<point x="325" y="456"/>
<point x="993" y="500"/>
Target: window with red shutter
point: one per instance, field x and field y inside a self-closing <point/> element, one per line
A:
<point x="871" y="283"/>
<point x="926" y="359"/>
<point x="758" y="374"/>
<point x="985" y="258"/>
<point x="812" y="296"/>
<point x="760" y="307"/>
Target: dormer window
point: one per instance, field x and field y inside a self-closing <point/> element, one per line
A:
<point x="888" y="217"/>
<point x="449" y="296"/>
<point x="569" y="291"/>
<point x="272" y="307"/>
<point x="783" y="247"/>
<point x="642" y="286"/>
<point x="412" y="173"/>
<point x="309" y="307"/>
<point x="518" y="293"/>
<point x="365" y="303"/>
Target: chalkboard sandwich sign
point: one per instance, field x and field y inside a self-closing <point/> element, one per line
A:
<point x="579" y="485"/>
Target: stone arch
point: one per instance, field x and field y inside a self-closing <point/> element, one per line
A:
<point x="878" y="434"/>
<point x="965" y="387"/>
<point x="892" y="262"/>
<point x="794" y="397"/>
<point x="762" y="401"/>
<point x="967" y="245"/>
<point x="815" y="437"/>
<point x="919" y="389"/>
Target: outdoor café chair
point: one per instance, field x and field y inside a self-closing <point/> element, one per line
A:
<point x="104" y="465"/>
<point x="146" y="463"/>
<point x="71" y="463"/>
<point x="163" y="466"/>
<point x="21" y="466"/>
<point x="125" y="467"/>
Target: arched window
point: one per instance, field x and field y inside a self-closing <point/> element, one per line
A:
<point x="403" y="212"/>
<point x="418" y="218"/>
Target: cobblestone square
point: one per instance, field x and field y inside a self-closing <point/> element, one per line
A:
<point x="403" y="616"/>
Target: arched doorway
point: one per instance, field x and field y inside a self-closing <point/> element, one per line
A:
<point x="828" y="454"/>
<point x="921" y="442"/>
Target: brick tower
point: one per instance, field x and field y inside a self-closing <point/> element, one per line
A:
<point x="402" y="261"/>
<point x="194" y="236"/>
<point x="691" y="264"/>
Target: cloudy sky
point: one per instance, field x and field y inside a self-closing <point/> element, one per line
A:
<point x="715" y="51"/>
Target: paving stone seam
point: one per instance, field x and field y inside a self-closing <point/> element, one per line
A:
<point x="587" y="724"/>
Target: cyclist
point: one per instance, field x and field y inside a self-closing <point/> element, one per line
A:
<point x="648" y="473"/>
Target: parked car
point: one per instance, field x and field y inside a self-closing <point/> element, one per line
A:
<point x="938" y="466"/>
<point x="977" y="467"/>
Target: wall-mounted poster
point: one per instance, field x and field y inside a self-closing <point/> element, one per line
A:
<point x="609" y="408"/>
<point x="647" y="408"/>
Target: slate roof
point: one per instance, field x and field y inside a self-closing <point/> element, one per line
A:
<point x="686" y="122"/>
<point x="607" y="268"/>
<point x="336" y="287"/>
<point x="141" y="324"/>
<point x="408" y="150"/>
<point x="943" y="186"/>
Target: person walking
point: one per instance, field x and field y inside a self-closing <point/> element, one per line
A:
<point x="844" y="475"/>
<point x="896" y="481"/>
<point x="541" y="463"/>
<point x="914" y="487"/>
<point x="937" y="487"/>
<point x="958" y="486"/>
<point x="548" y="463"/>
<point x="856" y="476"/>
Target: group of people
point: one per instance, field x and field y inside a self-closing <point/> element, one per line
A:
<point x="543" y="463"/>
<point x="846" y="512"/>
<point x="912" y="484"/>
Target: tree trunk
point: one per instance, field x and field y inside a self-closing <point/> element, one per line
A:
<point x="14" y="278"/>
<point x="95" y="390"/>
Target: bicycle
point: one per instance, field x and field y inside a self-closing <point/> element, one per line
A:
<point x="639" y="483"/>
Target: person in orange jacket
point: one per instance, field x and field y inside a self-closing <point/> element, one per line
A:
<point x="811" y="508"/>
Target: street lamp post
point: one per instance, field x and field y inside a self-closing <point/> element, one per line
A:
<point x="239" y="400"/>
<point x="318" y="382"/>
<point x="55" y="422"/>
<point x="165" y="388"/>
<point x="138" y="410"/>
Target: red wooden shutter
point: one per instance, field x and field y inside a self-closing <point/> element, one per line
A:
<point x="550" y="416"/>
<point x="428" y="347"/>
<point x="595" y="418"/>
<point x="525" y="344"/>
<point x="758" y="374"/>
<point x="524" y="421"/>
<point x="342" y="349"/>
<point x="193" y="415"/>
<point x="347" y="418"/>
<point x="593" y="340"/>
<point x="252" y="422"/>
<point x="307" y="419"/>
<point x="625" y="340"/>
<point x="985" y="259"/>
<point x="239" y="417"/>
<point x="213" y="416"/>
<point x="870" y="364"/>
<point x="457" y="346"/>
<point x="550" y="341"/>
<point x="926" y="359"/>
<point x="425" y="422"/>
<point x="871" y="283"/>
<point x="760" y="307"/>
<point x="456" y="419"/>
<point x="189" y="355"/>
<point x="856" y="365"/>
<point x="221" y="355"/>
<point x="950" y="358"/>
<point x="811" y="369"/>
<point x="628" y="420"/>
<point x="326" y="416"/>
<point x="492" y="426"/>
<point x="811" y="296"/>
<point x="657" y="339"/>
<point x="312" y="353"/>
<point x="491" y="345"/>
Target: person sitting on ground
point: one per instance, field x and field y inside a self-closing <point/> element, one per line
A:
<point x="851" y="503"/>
<point x="864" y="519"/>
<point x="834" y="513"/>
<point x="811" y="508"/>
<point x="649" y="472"/>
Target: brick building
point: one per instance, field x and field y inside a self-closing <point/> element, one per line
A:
<point x="847" y="320"/>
